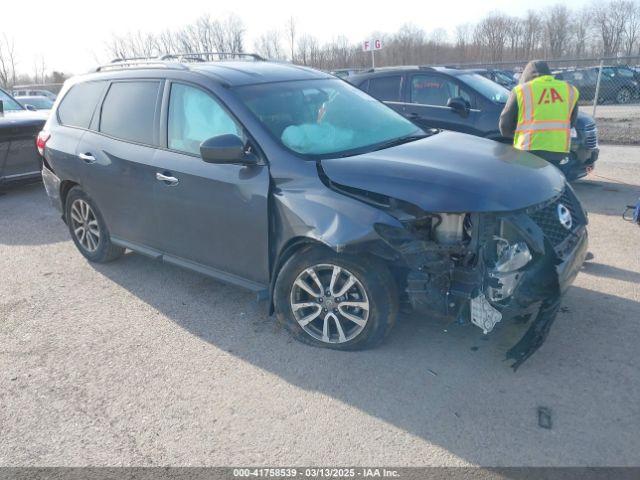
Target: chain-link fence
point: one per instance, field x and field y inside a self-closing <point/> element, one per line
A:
<point x="609" y="90"/>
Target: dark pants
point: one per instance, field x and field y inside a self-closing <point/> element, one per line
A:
<point x="554" y="158"/>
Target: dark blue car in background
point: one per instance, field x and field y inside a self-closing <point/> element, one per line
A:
<point x="464" y="101"/>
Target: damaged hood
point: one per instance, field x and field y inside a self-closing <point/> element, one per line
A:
<point x="451" y="172"/>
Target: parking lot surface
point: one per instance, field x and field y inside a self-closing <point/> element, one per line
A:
<point x="140" y="363"/>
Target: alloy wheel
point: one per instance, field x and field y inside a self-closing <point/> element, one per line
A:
<point x="329" y="303"/>
<point x="85" y="225"/>
<point x="624" y="96"/>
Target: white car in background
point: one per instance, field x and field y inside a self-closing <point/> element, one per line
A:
<point x="28" y="92"/>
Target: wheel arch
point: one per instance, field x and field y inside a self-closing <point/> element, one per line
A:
<point x="290" y="248"/>
<point x="65" y="188"/>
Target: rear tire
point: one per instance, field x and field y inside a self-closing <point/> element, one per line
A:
<point x="88" y="228"/>
<point x="623" y="96"/>
<point x="356" y="310"/>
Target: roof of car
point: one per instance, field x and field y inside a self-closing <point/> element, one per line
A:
<point x="229" y="72"/>
<point x="374" y="72"/>
<point x="237" y="73"/>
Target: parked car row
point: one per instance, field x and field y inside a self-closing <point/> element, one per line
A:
<point x="464" y="101"/>
<point x="617" y="84"/>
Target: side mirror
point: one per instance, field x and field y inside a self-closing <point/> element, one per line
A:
<point x="459" y="105"/>
<point x="227" y="148"/>
<point x="31" y="108"/>
<point x="1" y="107"/>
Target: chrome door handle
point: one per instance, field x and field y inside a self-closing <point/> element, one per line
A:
<point x="87" y="157"/>
<point x="170" y="181"/>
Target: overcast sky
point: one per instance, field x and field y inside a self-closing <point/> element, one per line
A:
<point x="71" y="34"/>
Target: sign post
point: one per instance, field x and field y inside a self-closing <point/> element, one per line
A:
<point x="372" y="46"/>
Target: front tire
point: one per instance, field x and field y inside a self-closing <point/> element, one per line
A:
<point x="88" y="228"/>
<point x="335" y="301"/>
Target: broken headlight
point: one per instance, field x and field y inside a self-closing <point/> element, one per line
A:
<point x="511" y="256"/>
<point x="511" y="252"/>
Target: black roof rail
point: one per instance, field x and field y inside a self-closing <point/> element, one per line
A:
<point x="205" y="56"/>
<point x="171" y="60"/>
<point x="392" y="68"/>
<point x="139" y="62"/>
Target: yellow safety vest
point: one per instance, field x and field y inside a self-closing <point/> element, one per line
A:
<point x="544" y="114"/>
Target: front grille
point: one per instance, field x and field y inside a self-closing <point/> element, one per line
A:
<point x="548" y="219"/>
<point x="591" y="137"/>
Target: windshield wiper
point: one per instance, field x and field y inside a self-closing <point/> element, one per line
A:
<point x="400" y="141"/>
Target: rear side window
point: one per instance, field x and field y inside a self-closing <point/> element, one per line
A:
<point x="129" y="111"/>
<point x="77" y="106"/>
<point x="386" y="89"/>
<point x="435" y="90"/>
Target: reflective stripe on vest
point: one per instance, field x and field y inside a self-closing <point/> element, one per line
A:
<point x="544" y="114"/>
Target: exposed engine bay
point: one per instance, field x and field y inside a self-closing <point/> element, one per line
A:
<point x="489" y="270"/>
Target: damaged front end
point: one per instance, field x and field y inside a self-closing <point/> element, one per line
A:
<point x="496" y="271"/>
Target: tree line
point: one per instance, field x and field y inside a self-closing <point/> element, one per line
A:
<point x="601" y="29"/>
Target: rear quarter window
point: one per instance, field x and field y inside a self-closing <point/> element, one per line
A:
<point x="129" y="111"/>
<point x="78" y="105"/>
<point x="386" y="89"/>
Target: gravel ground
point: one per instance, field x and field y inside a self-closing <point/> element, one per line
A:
<point x="140" y="363"/>
<point x="617" y="124"/>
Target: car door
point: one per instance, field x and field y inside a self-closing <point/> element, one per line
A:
<point x="428" y="95"/>
<point x="18" y="154"/>
<point x="212" y="217"/>
<point x="118" y="152"/>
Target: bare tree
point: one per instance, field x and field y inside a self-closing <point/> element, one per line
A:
<point x="291" y="34"/>
<point x="463" y="37"/>
<point x="203" y="35"/>
<point x="557" y="28"/>
<point x="39" y="69"/>
<point x="610" y="22"/>
<point x="269" y="45"/>
<point x="581" y="30"/>
<point x="7" y="61"/>
<point x="515" y="36"/>
<point x="305" y="49"/>
<point x="631" y="28"/>
<point x="532" y="34"/>
<point x="491" y="33"/>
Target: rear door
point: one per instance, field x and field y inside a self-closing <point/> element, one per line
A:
<point x="387" y="89"/>
<point x="119" y="155"/>
<point x="211" y="216"/>
<point x="427" y="98"/>
<point x="73" y="118"/>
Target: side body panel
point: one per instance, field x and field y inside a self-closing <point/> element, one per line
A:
<point x="121" y="181"/>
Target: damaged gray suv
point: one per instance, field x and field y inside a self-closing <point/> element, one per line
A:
<point x="327" y="203"/>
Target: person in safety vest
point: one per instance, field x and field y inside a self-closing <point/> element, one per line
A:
<point x="540" y="113"/>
